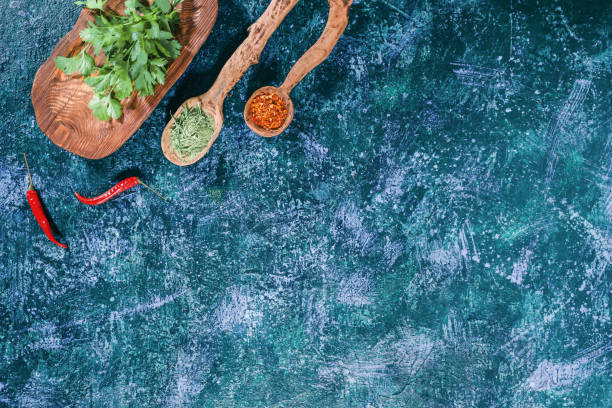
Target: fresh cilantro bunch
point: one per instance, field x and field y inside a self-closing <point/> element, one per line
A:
<point x="137" y="47"/>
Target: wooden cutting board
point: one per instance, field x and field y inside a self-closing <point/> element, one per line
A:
<point x="60" y="101"/>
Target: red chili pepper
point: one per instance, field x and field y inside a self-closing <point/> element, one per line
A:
<point x="38" y="211"/>
<point x="116" y="189"/>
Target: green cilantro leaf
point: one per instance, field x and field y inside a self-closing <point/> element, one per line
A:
<point x="99" y="108"/>
<point x="115" y="110"/>
<point x="86" y="64"/>
<point x="92" y="4"/>
<point x="68" y="65"/>
<point x="144" y="83"/>
<point x="94" y="36"/>
<point x="82" y="63"/>
<point x="100" y="83"/>
<point x="122" y="83"/>
<point x="105" y="107"/>
<point x="164" y="5"/>
<point x="154" y="30"/>
<point x="131" y="6"/>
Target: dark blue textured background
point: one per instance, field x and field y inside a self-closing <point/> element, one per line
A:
<point x="433" y="230"/>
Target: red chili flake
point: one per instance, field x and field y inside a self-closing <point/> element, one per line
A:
<point x="268" y="111"/>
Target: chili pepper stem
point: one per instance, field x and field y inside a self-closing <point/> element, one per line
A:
<point x="29" y="175"/>
<point x="161" y="196"/>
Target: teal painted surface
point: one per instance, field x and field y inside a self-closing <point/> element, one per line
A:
<point x="433" y="230"/>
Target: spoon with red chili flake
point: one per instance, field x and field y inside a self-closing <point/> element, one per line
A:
<point x="270" y="110"/>
<point x="115" y="190"/>
<point x="38" y="211"/>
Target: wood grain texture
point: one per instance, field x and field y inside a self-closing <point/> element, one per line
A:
<point x="60" y="100"/>
<point x="320" y="50"/>
<point x="246" y="55"/>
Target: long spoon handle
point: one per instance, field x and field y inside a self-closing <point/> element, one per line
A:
<point x="248" y="52"/>
<point x="336" y="23"/>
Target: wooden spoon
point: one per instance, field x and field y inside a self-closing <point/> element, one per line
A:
<point x="336" y="23"/>
<point x="246" y="54"/>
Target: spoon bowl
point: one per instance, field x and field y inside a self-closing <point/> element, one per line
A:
<point x="215" y="112"/>
<point x="281" y="93"/>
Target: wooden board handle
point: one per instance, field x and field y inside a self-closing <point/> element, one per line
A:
<point x="247" y="54"/>
<point x="336" y="23"/>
